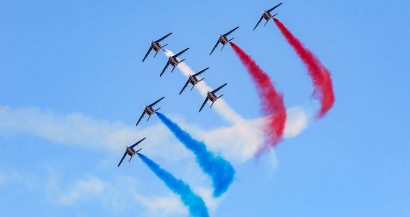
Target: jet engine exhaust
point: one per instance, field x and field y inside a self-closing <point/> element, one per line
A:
<point x="195" y="204"/>
<point x="220" y="170"/>
<point x="322" y="81"/>
<point x="271" y="100"/>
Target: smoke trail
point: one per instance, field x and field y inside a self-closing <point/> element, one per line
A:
<point x="320" y="75"/>
<point x="194" y="202"/>
<point x="221" y="107"/>
<point x="272" y="101"/>
<point x="220" y="170"/>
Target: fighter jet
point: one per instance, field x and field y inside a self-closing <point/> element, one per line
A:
<point x="267" y="16"/>
<point x="193" y="80"/>
<point x="223" y="39"/>
<point x="212" y="96"/>
<point x="149" y="110"/>
<point x="130" y="151"/>
<point x="156" y="46"/>
<point x="173" y="61"/>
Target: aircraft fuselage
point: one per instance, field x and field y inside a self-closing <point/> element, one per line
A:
<point x="212" y="96"/>
<point x="155" y="46"/>
<point x="266" y="15"/>
<point x="173" y="61"/>
<point x="223" y="39"/>
<point x="193" y="80"/>
<point x="130" y="151"/>
<point x="149" y="110"/>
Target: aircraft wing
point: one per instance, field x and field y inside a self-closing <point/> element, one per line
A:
<point x="163" y="37"/>
<point x="165" y="68"/>
<point x="156" y="102"/>
<point x="186" y="84"/>
<point x="216" y="45"/>
<point x="226" y="34"/>
<point x="143" y="113"/>
<point x="217" y="89"/>
<point x="149" y="51"/>
<point x="203" y="104"/>
<point x="201" y="72"/>
<point x="258" y="23"/>
<point x="176" y="55"/>
<point x="274" y="7"/>
<point x="122" y="158"/>
<point x="132" y="146"/>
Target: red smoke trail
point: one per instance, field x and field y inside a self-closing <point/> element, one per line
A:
<point x="320" y="75"/>
<point x="272" y="101"/>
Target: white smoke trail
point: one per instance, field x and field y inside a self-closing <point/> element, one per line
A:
<point x="226" y="112"/>
<point x="296" y="118"/>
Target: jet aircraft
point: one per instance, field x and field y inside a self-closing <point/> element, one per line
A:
<point x="267" y="16"/>
<point x="173" y="61"/>
<point x="212" y="96"/>
<point x="193" y="80"/>
<point x="149" y="110"/>
<point x="223" y="39"/>
<point x="156" y="46"/>
<point x="130" y="151"/>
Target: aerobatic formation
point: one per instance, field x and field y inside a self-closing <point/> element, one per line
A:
<point x="273" y="108"/>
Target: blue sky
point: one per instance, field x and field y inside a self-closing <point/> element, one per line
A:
<point x="73" y="86"/>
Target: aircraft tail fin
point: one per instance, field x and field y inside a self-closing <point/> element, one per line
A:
<point x="266" y="22"/>
<point x="163" y="47"/>
<point x="274" y="15"/>
<point x="148" y="117"/>
<point x="201" y="80"/>
<point x="212" y="105"/>
<point x="130" y="158"/>
<point x="138" y="150"/>
<point x="220" y="96"/>
<point x="157" y="109"/>
<point x="222" y="47"/>
<point x="192" y="86"/>
<point x="231" y="39"/>
<point x="172" y="69"/>
<point x="155" y="54"/>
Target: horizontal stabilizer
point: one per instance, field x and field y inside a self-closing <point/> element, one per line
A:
<point x="157" y="109"/>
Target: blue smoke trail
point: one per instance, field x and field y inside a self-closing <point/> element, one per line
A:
<point x="220" y="170"/>
<point x="194" y="202"/>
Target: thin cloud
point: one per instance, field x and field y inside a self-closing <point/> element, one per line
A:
<point x="237" y="143"/>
